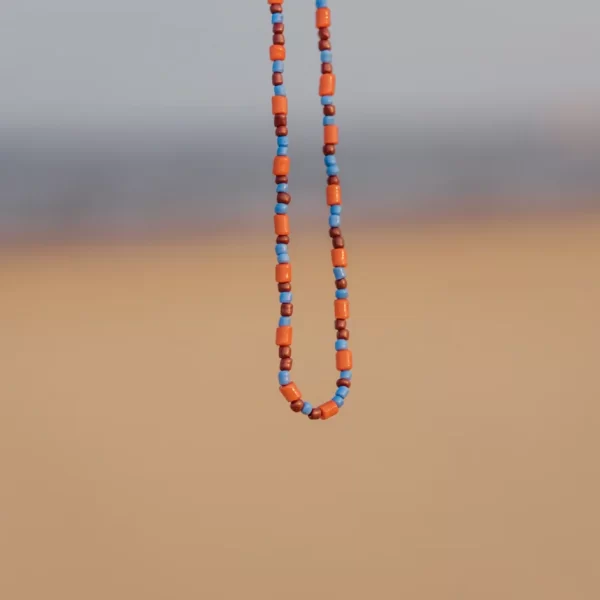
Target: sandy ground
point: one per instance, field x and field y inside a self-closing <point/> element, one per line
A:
<point x="145" y="451"/>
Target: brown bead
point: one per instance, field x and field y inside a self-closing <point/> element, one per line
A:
<point x="343" y="334"/>
<point x="329" y="110"/>
<point x="285" y="364"/>
<point x="338" y="241"/>
<point x="277" y="79"/>
<point x="280" y="120"/>
<point x="343" y="383"/>
<point x="324" y="45"/>
<point x="340" y="324"/>
<point x="341" y="284"/>
<point x="281" y="131"/>
<point x="278" y="27"/>
<point x="279" y="39"/>
<point x="315" y="414"/>
<point x="297" y="405"/>
<point x="334" y="232"/>
<point x="283" y="198"/>
<point x="326" y="68"/>
<point x="285" y="352"/>
<point x="287" y="310"/>
<point x="281" y="179"/>
<point x="328" y="149"/>
<point x="283" y="239"/>
<point x="333" y="180"/>
<point x="284" y="287"/>
<point x="324" y="33"/>
<point x="276" y="8"/>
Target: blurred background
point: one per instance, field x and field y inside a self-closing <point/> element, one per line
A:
<point x="146" y="452"/>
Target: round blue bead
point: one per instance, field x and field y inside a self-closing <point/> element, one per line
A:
<point x="283" y="258"/>
<point x="284" y="377"/>
<point x="328" y="120"/>
<point x="339" y="273"/>
<point x="326" y="56"/>
<point x="321" y="3"/>
<point x="279" y="90"/>
<point x="333" y="170"/>
<point x="277" y="66"/>
<point x="326" y="100"/>
<point x="307" y="408"/>
<point x="281" y="209"/>
<point x="285" y="297"/>
<point x="282" y="140"/>
<point x="281" y="248"/>
<point x="341" y="294"/>
<point x="283" y="321"/>
<point x="277" y="18"/>
<point x="335" y="221"/>
<point x="282" y="187"/>
<point x="336" y="209"/>
<point x="346" y="374"/>
<point x="342" y="391"/>
<point x="282" y="150"/>
<point x="330" y="160"/>
<point x="341" y="345"/>
<point x="338" y="400"/>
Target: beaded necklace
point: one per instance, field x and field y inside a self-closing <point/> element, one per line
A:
<point x="281" y="168"/>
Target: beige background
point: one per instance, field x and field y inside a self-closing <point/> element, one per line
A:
<point x="146" y="453"/>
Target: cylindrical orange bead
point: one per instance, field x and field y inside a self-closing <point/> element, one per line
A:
<point x="328" y="410"/>
<point x="339" y="259"/>
<point x="274" y="1"/>
<point x="281" y="165"/>
<point x="290" y="392"/>
<point x="334" y="195"/>
<point x="282" y="224"/>
<point x="283" y="336"/>
<point x="343" y="360"/>
<point x="327" y="85"/>
<point x="277" y="52"/>
<point x="342" y="309"/>
<point x="323" y="18"/>
<point x="331" y="134"/>
<point x="279" y="105"/>
<point x="283" y="273"/>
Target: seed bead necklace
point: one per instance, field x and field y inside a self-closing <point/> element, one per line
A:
<point x="281" y="168"/>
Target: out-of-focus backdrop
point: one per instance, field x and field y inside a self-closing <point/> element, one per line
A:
<point x="145" y="451"/>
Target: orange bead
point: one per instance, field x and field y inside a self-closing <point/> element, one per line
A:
<point x="342" y="309"/>
<point x="281" y="165"/>
<point x="274" y="1"/>
<point x="282" y="224"/>
<point x="283" y="273"/>
<point x="327" y="85"/>
<point x="339" y="258"/>
<point x="323" y="18"/>
<point x="283" y="337"/>
<point x="334" y="195"/>
<point x="279" y="105"/>
<point x="328" y="410"/>
<point x="277" y="52"/>
<point x="343" y="360"/>
<point x="291" y="392"/>
<point x="331" y="134"/>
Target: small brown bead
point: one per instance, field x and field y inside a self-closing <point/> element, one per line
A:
<point x="329" y="110"/>
<point x="285" y="364"/>
<point x="279" y="39"/>
<point x="284" y="287"/>
<point x="287" y="310"/>
<point x="297" y="405"/>
<point x="285" y="352"/>
<point x="334" y="232"/>
<point x="276" y="8"/>
<point x="324" y="45"/>
<point x="315" y="414"/>
<point x="326" y="68"/>
<point x="338" y="241"/>
<point x="341" y="284"/>
<point x="281" y="131"/>
<point x="324" y="33"/>
<point x="343" y="383"/>
<point x="343" y="334"/>
<point x="283" y="198"/>
<point x="278" y="27"/>
<point x="283" y="239"/>
<point x="281" y="179"/>
<point x="328" y="149"/>
<point x="340" y="324"/>
<point x="280" y="120"/>
<point x="277" y="79"/>
<point x="333" y="180"/>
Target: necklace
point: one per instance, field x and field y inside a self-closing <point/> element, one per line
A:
<point x="281" y="168"/>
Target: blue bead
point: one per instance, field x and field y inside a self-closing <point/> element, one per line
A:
<point x="282" y="140"/>
<point x="346" y="374"/>
<point x="279" y="90"/>
<point x="328" y="120"/>
<point x="326" y="56"/>
<point x="307" y="408"/>
<point x="277" y="66"/>
<point x="326" y="100"/>
<point x="335" y="221"/>
<point x="284" y="321"/>
<point x="333" y="170"/>
<point x="321" y="3"/>
<point x="338" y="400"/>
<point x="281" y="248"/>
<point x="277" y="18"/>
<point x="339" y="273"/>
<point x="341" y="294"/>
<point x="342" y="391"/>
<point x="285" y="297"/>
<point x="284" y="377"/>
<point x="282" y="187"/>
<point x="341" y="345"/>
<point x="282" y="151"/>
<point x="281" y="209"/>
<point x="283" y="258"/>
<point x="330" y="160"/>
<point x="336" y="209"/>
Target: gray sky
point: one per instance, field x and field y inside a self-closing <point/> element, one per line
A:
<point x="92" y="63"/>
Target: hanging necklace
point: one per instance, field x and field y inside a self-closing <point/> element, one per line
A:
<point x="281" y="168"/>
